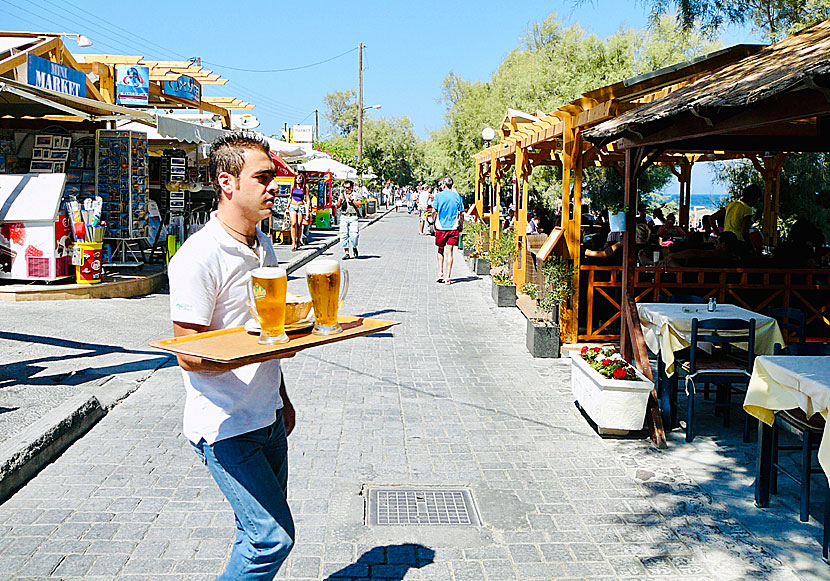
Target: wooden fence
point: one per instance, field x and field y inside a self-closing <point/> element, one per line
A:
<point x="753" y="289"/>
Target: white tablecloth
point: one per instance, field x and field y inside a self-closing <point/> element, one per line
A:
<point x="787" y="382"/>
<point x="667" y="328"/>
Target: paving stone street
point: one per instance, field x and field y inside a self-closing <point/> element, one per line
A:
<point x="448" y="398"/>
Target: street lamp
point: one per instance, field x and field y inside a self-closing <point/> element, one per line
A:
<point x="83" y="41"/>
<point x="488" y="134"/>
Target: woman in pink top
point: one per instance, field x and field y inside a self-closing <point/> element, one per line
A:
<point x="298" y="206"/>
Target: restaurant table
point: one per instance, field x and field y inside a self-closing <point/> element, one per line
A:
<point x="667" y="328"/>
<point x="782" y="383"/>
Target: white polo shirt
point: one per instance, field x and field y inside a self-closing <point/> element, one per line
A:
<point x="208" y="286"/>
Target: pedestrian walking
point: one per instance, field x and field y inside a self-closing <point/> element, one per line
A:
<point x="298" y="206"/>
<point x="448" y="212"/>
<point x="398" y="201"/>
<point x="423" y="207"/>
<point x="236" y="416"/>
<point x="349" y="226"/>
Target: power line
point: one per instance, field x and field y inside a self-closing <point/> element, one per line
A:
<point x="280" y="70"/>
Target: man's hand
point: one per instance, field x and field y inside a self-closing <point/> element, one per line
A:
<point x="289" y="416"/>
<point x="199" y="365"/>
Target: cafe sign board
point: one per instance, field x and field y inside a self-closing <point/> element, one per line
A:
<point x="45" y="74"/>
<point x="186" y="88"/>
<point x="132" y="85"/>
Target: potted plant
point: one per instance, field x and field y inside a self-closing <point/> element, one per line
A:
<point x="543" y="333"/>
<point x="501" y="255"/>
<point x="609" y="389"/>
<point x="473" y="237"/>
<point x="616" y="217"/>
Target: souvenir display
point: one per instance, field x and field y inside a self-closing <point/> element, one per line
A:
<point x="121" y="180"/>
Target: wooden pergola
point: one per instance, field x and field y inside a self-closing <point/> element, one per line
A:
<point x="767" y="104"/>
<point x="558" y="138"/>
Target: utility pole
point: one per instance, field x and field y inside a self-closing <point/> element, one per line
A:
<point x="360" y="104"/>
<point x="316" y="126"/>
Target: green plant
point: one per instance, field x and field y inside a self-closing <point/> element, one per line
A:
<point x="473" y="237"/>
<point x="608" y="362"/>
<point x="615" y="208"/>
<point x="501" y="255"/>
<point x="531" y="290"/>
<point x="557" y="286"/>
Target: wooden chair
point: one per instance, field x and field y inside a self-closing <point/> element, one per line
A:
<point x="809" y="431"/>
<point x="790" y="319"/>
<point x="724" y="369"/>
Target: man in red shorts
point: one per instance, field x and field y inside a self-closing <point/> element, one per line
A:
<point x="448" y="214"/>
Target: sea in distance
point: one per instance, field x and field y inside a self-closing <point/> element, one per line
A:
<point x="708" y="201"/>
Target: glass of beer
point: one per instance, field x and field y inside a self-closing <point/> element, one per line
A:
<point x="266" y="293"/>
<point x="324" y="282"/>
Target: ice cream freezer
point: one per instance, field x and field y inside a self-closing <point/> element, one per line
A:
<point x="35" y="241"/>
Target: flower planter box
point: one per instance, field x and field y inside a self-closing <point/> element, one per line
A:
<point x="504" y="296"/>
<point x="542" y="339"/>
<point x="616" y="406"/>
<point x="482" y="266"/>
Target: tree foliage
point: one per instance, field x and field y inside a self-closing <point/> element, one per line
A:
<point x="341" y="111"/>
<point x="772" y="19"/>
<point x="553" y="64"/>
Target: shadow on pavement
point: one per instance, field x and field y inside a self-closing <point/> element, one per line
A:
<point x="24" y="371"/>
<point x="381" y="312"/>
<point x="387" y="562"/>
<point x="465" y="279"/>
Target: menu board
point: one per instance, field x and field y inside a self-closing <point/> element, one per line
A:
<point x="122" y="180"/>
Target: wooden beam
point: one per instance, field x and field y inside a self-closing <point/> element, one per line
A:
<point x="785" y="108"/>
<point x="18" y="59"/>
<point x="112" y="59"/>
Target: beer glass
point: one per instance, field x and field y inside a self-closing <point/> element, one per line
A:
<point x="324" y="281"/>
<point x="266" y="293"/>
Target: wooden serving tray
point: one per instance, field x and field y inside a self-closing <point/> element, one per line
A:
<point x="236" y="344"/>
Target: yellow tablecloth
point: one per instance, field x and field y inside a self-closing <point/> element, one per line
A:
<point x="667" y="328"/>
<point x="787" y="382"/>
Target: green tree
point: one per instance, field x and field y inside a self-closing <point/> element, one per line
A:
<point x="553" y="64"/>
<point x="772" y="19"/>
<point x="391" y="149"/>
<point x="341" y="111"/>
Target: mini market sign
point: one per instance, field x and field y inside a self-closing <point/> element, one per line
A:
<point x="45" y="74"/>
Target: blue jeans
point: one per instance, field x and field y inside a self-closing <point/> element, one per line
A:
<point x="349" y="231"/>
<point x="252" y="472"/>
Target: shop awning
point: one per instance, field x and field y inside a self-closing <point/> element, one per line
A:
<point x="340" y="171"/>
<point x="289" y="151"/>
<point x="283" y="169"/>
<point x="168" y="127"/>
<point x="22" y="100"/>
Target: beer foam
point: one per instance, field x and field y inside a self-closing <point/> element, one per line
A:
<point x="269" y="272"/>
<point x="322" y="266"/>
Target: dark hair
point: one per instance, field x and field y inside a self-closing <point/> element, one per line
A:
<point x="348" y="183"/>
<point x="447" y="181"/>
<point x="751" y="193"/>
<point x="227" y="154"/>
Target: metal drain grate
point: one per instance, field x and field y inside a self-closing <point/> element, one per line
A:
<point x="435" y="506"/>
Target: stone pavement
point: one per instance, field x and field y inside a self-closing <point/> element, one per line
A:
<point x="450" y="397"/>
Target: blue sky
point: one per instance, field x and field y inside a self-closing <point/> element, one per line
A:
<point x="410" y="46"/>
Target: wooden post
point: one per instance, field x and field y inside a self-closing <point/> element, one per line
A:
<point x="571" y="224"/>
<point x="495" y="188"/>
<point x="770" y="169"/>
<point x="523" y="169"/>
<point x="479" y="186"/>
<point x="632" y="166"/>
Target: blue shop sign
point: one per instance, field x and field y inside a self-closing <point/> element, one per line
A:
<point x="132" y="85"/>
<point x="45" y="74"/>
<point x="184" y="87"/>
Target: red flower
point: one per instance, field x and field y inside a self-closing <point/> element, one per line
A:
<point x="584" y="350"/>
<point x="596" y="349"/>
<point x="620" y="373"/>
<point x="607" y="362"/>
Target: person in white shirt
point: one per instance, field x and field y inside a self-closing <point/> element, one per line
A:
<point x="423" y="206"/>
<point x="237" y="417"/>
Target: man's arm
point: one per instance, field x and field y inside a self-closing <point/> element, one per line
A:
<point x="289" y="416"/>
<point x="197" y="364"/>
<point x="745" y="227"/>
